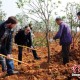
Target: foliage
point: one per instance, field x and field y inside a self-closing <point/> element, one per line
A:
<point x="71" y="11"/>
<point x="23" y="19"/>
<point x="40" y="9"/>
<point x="2" y="13"/>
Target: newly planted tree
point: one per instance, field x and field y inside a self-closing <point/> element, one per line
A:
<point x="39" y="10"/>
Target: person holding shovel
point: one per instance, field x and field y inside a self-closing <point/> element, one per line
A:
<point x="6" y="44"/>
<point x="23" y="38"/>
<point x="64" y="34"/>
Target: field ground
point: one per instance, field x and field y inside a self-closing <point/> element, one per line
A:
<point x="40" y="69"/>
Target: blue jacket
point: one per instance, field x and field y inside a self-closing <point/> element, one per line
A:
<point x="64" y="34"/>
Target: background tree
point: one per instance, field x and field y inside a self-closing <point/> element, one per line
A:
<point x="71" y="17"/>
<point x="71" y="11"/>
<point x="23" y="20"/>
<point x="2" y="13"/>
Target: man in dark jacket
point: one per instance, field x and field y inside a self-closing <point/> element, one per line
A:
<point x="78" y="14"/>
<point x="23" y="37"/>
<point x="6" y="42"/>
<point x="64" y="34"/>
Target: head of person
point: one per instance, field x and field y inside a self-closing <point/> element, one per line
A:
<point x="58" y="21"/>
<point x="11" y="22"/>
<point x="27" y="29"/>
<point x="78" y="15"/>
<point x="30" y="25"/>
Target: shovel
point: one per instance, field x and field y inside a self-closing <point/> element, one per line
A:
<point x="14" y="59"/>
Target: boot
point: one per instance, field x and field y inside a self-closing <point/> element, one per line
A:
<point x="35" y="55"/>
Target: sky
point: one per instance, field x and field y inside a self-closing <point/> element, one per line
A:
<point x="10" y="7"/>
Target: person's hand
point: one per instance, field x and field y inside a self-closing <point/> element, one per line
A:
<point x="29" y="50"/>
<point x="31" y="47"/>
<point x="9" y="56"/>
<point x="50" y="40"/>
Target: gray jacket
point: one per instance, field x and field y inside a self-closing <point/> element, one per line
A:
<point x="5" y="39"/>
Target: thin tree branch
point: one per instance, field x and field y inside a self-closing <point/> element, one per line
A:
<point x="37" y="12"/>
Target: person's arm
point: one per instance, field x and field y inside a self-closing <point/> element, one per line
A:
<point x="59" y="33"/>
<point x="17" y="37"/>
<point x="30" y="40"/>
<point x="9" y="44"/>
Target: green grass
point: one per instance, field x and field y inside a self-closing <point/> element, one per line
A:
<point x="40" y="41"/>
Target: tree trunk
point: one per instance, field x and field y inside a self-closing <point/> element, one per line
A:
<point x="48" y="46"/>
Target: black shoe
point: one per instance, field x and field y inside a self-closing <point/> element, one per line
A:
<point x="14" y="72"/>
<point x="37" y="58"/>
<point x="9" y="74"/>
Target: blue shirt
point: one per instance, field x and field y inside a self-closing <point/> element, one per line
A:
<point x="64" y="34"/>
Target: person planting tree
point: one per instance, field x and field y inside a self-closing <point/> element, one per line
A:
<point x="64" y="34"/>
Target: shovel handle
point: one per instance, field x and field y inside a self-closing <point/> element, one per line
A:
<point x="14" y="59"/>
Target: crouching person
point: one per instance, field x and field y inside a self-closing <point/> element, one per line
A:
<point x="23" y="37"/>
<point x="6" y="44"/>
<point x="64" y="34"/>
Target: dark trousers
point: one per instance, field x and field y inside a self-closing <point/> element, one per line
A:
<point x="65" y="53"/>
<point x="20" y="53"/>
